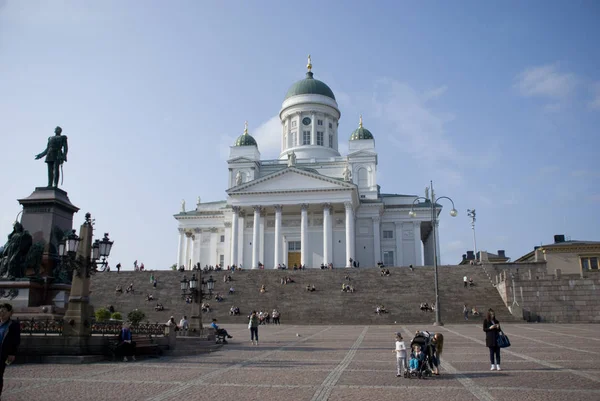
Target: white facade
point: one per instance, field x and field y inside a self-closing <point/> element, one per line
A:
<point x="311" y="206"/>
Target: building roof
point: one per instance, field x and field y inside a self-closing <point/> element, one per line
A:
<point x="557" y="246"/>
<point x="361" y="132"/>
<point x="310" y="86"/>
<point x="245" y="139"/>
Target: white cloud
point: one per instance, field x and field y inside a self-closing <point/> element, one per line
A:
<point x="418" y="127"/>
<point x="268" y="138"/>
<point x="595" y="103"/>
<point x="545" y="81"/>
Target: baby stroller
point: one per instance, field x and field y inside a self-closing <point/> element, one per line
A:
<point x="420" y="357"/>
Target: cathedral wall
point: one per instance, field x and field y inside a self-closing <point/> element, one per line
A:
<point x="269" y="256"/>
<point x="339" y="248"/>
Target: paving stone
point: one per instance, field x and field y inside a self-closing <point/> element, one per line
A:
<point x="336" y="363"/>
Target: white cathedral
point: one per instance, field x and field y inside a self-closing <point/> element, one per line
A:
<point x="309" y="207"/>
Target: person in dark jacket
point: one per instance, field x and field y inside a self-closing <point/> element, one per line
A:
<point x="491" y="326"/>
<point x="10" y="333"/>
<point x="126" y="345"/>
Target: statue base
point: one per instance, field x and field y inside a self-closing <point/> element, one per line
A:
<point x="46" y="213"/>
<point x="35" y="298"/>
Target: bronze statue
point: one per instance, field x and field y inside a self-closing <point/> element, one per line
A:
<point x="56" y="155"/>
<point x="13" y="259"/>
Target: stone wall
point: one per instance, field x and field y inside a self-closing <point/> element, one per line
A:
<point x="541" y="295"/>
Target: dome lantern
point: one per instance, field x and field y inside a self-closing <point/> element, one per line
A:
<point x="309" y="85"/>
<point x="361" y="132"/>
<point x="245" y="139"/>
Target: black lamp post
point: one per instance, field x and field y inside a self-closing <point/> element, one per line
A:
<point x="196" y="289"/>
<point x="82" y="256"/>
<point x="100" y="251"/>
<point x="434" y="224"/>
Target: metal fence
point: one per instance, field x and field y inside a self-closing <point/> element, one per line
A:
<point x="104" y="328"/>
<point x="41" y="326"/>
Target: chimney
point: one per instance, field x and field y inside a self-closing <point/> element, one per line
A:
<point x="501" y="253"/>
<point x="470" y="255"/>
<point x="559" y="238"/>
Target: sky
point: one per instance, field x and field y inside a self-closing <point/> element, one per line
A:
<point x="497" y="103"/>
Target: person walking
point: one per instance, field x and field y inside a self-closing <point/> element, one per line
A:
<point x="253" y="326"/>
<point x="10" y="333"/>
<point x="491" y="326"/>
<point x="466" y="312"/>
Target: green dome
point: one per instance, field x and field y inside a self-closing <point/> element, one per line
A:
<point x="310" y="86"/>
<point x="361" y="133"/>
<point x="245" y="139"/>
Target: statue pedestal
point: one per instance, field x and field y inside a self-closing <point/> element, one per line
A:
<point x="46" y="212"/>
<point x="36" y="298"/>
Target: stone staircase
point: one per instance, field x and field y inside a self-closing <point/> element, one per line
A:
<point x="401" y="293"/>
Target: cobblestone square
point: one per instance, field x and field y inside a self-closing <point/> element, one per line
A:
<point x="545" y="362"/>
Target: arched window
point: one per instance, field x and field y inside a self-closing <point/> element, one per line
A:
<point x="363" y="178"/>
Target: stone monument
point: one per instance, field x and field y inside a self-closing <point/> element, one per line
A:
<point x="47" y="214"/>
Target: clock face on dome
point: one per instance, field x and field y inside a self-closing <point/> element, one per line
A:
<point x="306" y="121"/>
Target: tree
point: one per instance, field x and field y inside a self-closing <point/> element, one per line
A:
<point x="116" y="316"/>
<point x="102" y="314"/>
<point x="136" y="316"/>
<point x="174" y="266"/>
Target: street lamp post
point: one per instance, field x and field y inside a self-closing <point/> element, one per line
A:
<point x="434" y="223"/>
<point x="190" y="288"/>
<point x="471" y="214"/>
<point x="82" y="257"/>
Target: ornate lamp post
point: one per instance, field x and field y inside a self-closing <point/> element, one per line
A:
<point x="434" y="224"/>
<point x="83" y="258"/>
<point x="189" y="288"/>
<point x="471" y="214"/>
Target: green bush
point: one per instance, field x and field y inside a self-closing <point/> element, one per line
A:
<point x="102" y="314"/>
<point x="136" y="316"/>
<point x="116" y="316"/>
<point x="174" y="266"/>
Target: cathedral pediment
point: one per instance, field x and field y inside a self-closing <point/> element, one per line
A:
<point x="240" y="159"/>
<point x="362" y="153"/>
<point x="291" y="179"/>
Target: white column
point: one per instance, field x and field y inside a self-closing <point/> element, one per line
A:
<point x="255" y="234"/>
<point x="214" y="240"/>
<point x="376" y="240"/>
<point x="398" y="236"/>
<point x="277" y="260"/>
<point x="261" y="236"/>
<point x="234" y="235"/>
<point x="227" y="245"/>
<point x="327" y="235"/>
<point x="197" y="245"/>
<point x="188" y="249"/>
<point x="285" y="251"/>
<point x="313" y="134"/>
<point x="304" y="234"/>
<point x="418" y="246"/>
<point x="241" y="244"/>
<point x="181" y="248"/>
<point x="349" y="233"/>
<point x="193" y="250"/>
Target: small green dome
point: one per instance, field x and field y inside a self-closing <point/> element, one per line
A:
<point x="310" y="86"/>
<point x="361" y="133"/>
<point x="245" y="139"/>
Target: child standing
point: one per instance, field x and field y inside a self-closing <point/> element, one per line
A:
<point x="400" y="352"/>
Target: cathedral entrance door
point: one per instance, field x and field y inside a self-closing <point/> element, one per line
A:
<point x="293" y="257"/>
